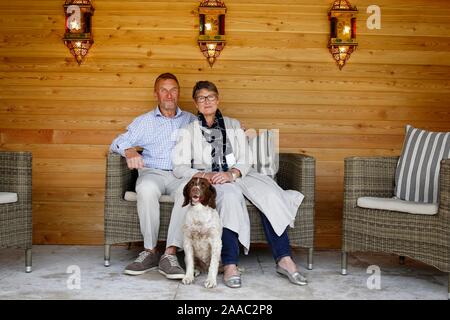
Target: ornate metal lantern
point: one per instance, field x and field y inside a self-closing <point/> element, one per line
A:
<point x="78" y="36"/>
<point x="211" y="39"/>
<point x="342" y="16"/>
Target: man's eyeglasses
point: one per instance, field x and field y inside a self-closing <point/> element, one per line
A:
<point x="210" y="98"/>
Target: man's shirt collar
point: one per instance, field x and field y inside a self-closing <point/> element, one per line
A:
<point x="158" y="113"/>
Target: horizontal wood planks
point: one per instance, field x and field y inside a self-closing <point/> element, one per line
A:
<point x="275" y="72"/>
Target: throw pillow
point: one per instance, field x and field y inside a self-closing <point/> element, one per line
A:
<point x="264" y="146"/>
<point x="417" y="173"/>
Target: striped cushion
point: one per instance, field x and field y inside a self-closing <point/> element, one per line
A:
<point x="417" y="173"/>
<point x="265" y="147"/>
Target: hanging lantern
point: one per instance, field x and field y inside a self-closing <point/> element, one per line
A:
<point x="78" y="24"/>
<point x="342" y="16"/>
<point x="211" y="39"/>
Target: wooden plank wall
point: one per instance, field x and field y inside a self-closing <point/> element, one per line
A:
<point x="275" y="72"/>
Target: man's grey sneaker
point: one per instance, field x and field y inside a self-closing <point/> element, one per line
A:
<point x="146" y="261"/>
<point x="169" y="266"/>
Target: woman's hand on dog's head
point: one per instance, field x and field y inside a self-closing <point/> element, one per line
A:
<point x="222" y="177"/>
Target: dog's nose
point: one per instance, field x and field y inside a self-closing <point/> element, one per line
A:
<point x="195" y="190"/>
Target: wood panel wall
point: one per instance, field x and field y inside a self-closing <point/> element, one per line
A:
<point x="275" y="72"/>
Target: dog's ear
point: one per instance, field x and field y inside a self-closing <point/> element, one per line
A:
<point x="212" y="197"/>
<point x="186" y="189"/>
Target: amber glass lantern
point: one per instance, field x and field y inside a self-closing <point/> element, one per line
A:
<point x="211" y="38"/>
<point x="342" y="16"/>
<point x="78" y="24"/>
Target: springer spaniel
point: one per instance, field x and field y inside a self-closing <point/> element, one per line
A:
<point x="202" y="231"/>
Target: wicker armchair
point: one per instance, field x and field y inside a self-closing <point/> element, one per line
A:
<point x="15" y="218"/>
<point x="296" y="172"/>
<point x="425" y="238"/>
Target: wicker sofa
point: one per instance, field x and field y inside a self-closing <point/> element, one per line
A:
<point x="15" y="217"/>
<point x="296" y="172"/>
<point x="425" y="238"/>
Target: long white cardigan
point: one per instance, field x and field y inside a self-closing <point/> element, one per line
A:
<point x="192" y="154"/>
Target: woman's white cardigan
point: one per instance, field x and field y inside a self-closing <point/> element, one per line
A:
<point x="192" y="154"/>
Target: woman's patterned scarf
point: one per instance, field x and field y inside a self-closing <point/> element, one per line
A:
<point x="220" y="144"/>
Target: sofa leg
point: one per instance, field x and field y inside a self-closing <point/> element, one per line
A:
<point x="310" y="258"/>
<point x="401" y="260"/>
<point x="28" y="260"/>
<point x="107" y="254"/>
<point x="344" y="263"/>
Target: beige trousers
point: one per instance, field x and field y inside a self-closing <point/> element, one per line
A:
<point x="150" y="185"/>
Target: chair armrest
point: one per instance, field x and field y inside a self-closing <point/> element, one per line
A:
<point x="369" y="177"/>
<point x="118" y="177"/>
<point x="297" y="172"/>
<point x="16" y="174"/>
<point x="444" y="190"/>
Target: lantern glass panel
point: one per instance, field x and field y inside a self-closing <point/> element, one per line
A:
<point x="344" y="27"/>
<point x="212" y="25"/>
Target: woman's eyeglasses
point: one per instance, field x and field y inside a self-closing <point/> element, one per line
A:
<point x="210" y="98"/>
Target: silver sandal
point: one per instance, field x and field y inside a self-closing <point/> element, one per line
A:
<point x="233" y="281"/>
<point x="294" y="277"/>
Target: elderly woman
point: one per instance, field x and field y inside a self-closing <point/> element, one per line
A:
<point x="216" y="148"/>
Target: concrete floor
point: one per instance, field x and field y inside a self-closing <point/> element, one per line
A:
<point x="56" y="267"/>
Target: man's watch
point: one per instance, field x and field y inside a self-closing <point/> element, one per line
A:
<point x="235" y="175"/>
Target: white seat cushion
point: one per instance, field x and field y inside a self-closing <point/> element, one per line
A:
<point x="395" y="204"/>
<point x="131" y="196"/>
<point x="8" y="197"/>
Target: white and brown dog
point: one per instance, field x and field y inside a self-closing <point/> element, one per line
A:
<point x="202" y="231"/>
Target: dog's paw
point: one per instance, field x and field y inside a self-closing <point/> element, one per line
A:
<point x="210" y="283"/>
<point x="187" y="280"/>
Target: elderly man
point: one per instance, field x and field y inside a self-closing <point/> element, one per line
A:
<point x="156" y="133"/>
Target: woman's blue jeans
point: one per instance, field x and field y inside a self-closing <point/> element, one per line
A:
<point x="279" y="244"/>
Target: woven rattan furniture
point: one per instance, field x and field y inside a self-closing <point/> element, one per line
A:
<point x="15" y="218"/>
<point x="425" y="238"/>
<point x="296" y="172"/>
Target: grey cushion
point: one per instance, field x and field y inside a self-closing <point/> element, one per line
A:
<point x="417" y="172"/>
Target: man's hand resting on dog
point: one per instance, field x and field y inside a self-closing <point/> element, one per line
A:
<point x="134" y="159"/>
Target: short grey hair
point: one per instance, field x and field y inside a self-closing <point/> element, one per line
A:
<point x="204" y="85"/>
